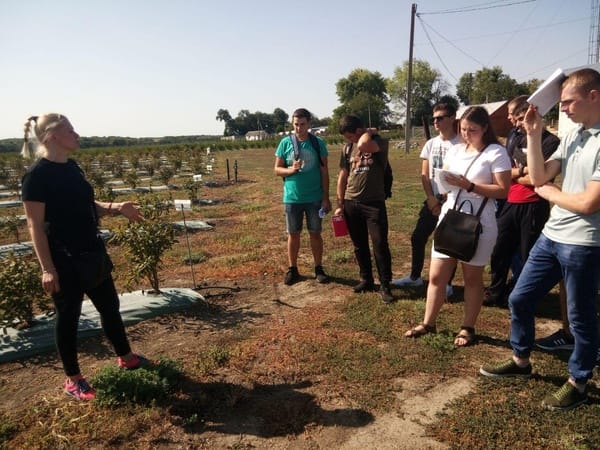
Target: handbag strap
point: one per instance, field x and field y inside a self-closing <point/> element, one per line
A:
<point x="480" y="210"/>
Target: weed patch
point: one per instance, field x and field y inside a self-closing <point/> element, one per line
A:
<point x="146" y="385"/>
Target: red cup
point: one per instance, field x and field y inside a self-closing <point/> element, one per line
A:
<point x="339" y="226"/>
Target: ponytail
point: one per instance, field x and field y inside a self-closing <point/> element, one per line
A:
<point x="43" y="125"/>
<point x="27" y="151"/>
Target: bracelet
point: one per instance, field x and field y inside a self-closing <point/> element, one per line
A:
<point x="52" y="270"/>
<point x="471" y="187"/>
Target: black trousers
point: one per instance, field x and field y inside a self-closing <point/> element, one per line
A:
<point x="364" y="220"/>
<point x="519" y="226"/>
<point x="424" y="228"/>
<point x="68" y="303"/>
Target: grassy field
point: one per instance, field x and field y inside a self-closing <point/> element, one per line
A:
<point x="341" y="348"/>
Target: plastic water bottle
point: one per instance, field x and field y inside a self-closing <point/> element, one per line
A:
<point x="322" y="213"/>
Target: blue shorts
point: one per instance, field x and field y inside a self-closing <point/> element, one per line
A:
<point x="294" y="215"/>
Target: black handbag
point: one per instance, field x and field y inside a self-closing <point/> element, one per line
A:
<point x="457" y="234"/>
<point x="90" y="267"/>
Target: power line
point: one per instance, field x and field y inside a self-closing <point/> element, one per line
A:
<point x="482" y="6"/>
<point x="507" y="41"/>
<point x="434" y="49"/>
<point x="511" y="32"/>
<point x="451" y="43"/>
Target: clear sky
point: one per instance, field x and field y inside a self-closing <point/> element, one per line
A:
<point x="165" y="67"/>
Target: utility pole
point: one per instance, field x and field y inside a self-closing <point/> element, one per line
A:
<point x="594" y="39"/>
<point x="409" y="81"/>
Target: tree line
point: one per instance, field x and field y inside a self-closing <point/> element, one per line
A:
<point x="14" y="145"/>
<point x="381" y="102"/>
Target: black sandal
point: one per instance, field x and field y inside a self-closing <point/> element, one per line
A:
<point x="469" y="336"/>
<point x="420" y="330"/>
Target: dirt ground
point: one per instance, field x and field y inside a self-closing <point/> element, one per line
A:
<point x="330" y="420"/>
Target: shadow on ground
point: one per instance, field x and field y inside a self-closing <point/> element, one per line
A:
<point x="261" y="410"/>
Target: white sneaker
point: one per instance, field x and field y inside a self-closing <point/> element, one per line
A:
<point x="449" y="290"/>
<point x="408" y="281"/>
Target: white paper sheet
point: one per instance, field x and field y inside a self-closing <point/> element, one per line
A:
<point x="548" y="94"/>
<point x="439" y="178"/>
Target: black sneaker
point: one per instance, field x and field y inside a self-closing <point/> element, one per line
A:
<point x="506" y="369"/>
<point x="292" y="276"/>
<point x="320" y="275"/>
<point x="566" y="398"/>
<point x="364" y="286"/>
<point x="556" y="341"/>
<point x="386" y="294"/>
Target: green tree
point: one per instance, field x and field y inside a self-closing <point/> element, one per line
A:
<point x="362" y="93"/>
<point x="488" y="85"/>
<point x="280" y="120"/>
<point x="428" y="87"/>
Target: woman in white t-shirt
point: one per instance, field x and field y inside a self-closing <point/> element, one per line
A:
<point x="488" y="176"/>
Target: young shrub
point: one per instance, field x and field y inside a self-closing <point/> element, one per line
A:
<point x="192" y="188"/>
<point x="20" y="290"/>
<point x="11" y="224"/>
<point x="147" y="241"/>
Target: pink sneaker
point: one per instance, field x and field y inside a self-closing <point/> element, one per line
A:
<point x="79" y="389"/>
<point x="135" y="363"/>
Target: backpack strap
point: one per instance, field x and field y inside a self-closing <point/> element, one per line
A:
<point x="314" y="143"/>
<point x="347" y="152"/>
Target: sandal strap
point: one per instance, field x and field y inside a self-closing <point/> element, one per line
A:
<point x="470" y="330"/>
<point x="429" y="328"/>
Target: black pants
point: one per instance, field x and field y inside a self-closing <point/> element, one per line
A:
<point x="364" y="220"/>
<point x="68" y="302"/>
<point x="519" y="226"/>
<point x="424" y="228"/>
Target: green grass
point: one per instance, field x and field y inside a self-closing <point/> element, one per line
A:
<point x="353" y="350"/>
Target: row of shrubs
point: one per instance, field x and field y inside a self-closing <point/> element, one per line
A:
<point x="146" y="242"/>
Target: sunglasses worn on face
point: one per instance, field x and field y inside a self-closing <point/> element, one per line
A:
<point x="438" y="118"/>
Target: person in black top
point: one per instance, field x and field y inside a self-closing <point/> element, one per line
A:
<point x="62" y="217"/>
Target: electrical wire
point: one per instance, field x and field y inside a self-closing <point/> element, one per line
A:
<point x="451" y="43"/>
<point x="482" y="6"/>
<point x="434" y="49"/>
<point x="505" y="33"/>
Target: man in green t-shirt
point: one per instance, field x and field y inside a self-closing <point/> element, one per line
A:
<point x="305" y="191"/>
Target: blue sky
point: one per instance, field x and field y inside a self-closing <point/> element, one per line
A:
<point x="156" y="68"/>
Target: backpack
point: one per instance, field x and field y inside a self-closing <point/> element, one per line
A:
<point x="388" y="176"/>
<point x="314" y="142"/>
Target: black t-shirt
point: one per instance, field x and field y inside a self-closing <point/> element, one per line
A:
<point x="70" y="215"/>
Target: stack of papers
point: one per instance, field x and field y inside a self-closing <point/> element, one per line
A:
<point x="548" y="94"/>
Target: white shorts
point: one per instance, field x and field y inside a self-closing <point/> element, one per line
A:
<point x="485" y="246"/>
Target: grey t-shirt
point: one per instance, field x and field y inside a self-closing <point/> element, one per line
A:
<point x="579" y="154"/>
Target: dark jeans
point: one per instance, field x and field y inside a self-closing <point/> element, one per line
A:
<point x="68" y="302"/>
<point x="519" y="226"/>
<point x="548" y="262"/>
<point x="364" y="219"/>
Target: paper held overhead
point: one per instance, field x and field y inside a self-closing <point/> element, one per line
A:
<point x="548" y="94"/>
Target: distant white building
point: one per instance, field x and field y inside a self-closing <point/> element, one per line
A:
<point x="258" y="135"/>
<point x="319" y="131"/>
